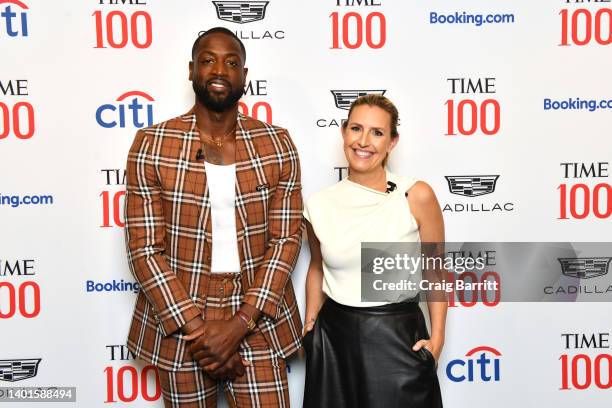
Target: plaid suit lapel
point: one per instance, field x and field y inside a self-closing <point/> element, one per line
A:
<point x="191" y="147"/>
<point x="243" y="160"/>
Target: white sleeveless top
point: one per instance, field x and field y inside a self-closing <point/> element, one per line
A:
<point x="346" y="214"/>
<point x="221" y="182"/>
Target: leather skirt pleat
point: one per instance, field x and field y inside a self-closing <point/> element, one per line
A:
<point x="362" y="358"/>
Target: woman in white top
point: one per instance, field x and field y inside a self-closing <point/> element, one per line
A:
<point x="366" y="354"/>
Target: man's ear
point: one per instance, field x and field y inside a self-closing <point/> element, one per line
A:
<point x="191" y="70"/>
<point x="246" y="71"/>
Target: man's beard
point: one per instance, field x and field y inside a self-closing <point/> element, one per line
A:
<point x="217" y="104"/>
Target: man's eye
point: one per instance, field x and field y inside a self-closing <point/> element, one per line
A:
<point x="378" y="133"/>
<point x="232" y="63"/>
<point x="208" y="61"/>
<point x="355" y="128"/>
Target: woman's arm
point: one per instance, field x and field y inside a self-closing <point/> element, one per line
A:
<point x="426" y="210"/>
<point x="314" y="280"/>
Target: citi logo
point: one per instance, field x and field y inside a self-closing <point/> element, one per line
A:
<point x="15" y="20"/>
<point x="241" y="12"/>
<point x="17" y="370"/>
<point x="480" y="364"/>
<point x="471" y="186"/>
<point x="585" y="268"/>
<point x="344" y="98"/>
<point x="138" y="102"/>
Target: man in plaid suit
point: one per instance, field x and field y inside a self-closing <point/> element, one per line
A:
<point x="199" y="325"/>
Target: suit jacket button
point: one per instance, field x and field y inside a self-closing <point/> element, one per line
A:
<point x="156" y="318"/>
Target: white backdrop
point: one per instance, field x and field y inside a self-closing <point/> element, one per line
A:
<point x="60" y="66"/>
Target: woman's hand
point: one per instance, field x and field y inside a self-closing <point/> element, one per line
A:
<point x="315" y="297"/>
<point x="433" y="345"/>
<point x="308" y="325"/>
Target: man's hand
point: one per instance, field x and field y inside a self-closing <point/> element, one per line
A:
<point x="193" y="326"/>
<point x="233" y="367"/>
<point x="216" y="341"/>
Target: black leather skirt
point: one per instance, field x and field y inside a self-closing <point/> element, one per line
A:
<point x="362" y="357"/>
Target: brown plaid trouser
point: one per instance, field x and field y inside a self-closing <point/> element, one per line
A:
<point x="264" y="383"/>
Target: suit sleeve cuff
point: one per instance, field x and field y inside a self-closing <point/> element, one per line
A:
<point x="176" y="317"/>
<point x="263" y="300"/>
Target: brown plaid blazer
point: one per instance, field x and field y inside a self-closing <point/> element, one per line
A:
<point x="168" y="234"/>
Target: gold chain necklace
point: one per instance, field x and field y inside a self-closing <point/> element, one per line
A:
<point x="219" y="143"/>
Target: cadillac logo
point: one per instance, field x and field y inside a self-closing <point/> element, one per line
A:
<point x="471" y="186"/>
<point x="344" y="99"/>
<point x="17" y="370"/>
<point x="585" y="268"/>
<point x="241" y="12"/>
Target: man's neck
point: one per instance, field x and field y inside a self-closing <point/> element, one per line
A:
<point x="215" y="123"/>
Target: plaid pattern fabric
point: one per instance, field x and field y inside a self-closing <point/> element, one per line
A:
<point x="264" y="383"/>
<point x="169" y="234"/>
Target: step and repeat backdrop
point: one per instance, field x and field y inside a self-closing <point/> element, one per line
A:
<point x="505" y="111"/>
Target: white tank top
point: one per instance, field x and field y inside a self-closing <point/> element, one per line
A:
<point x="221" y="182"/>
<point x="345" y="215"/>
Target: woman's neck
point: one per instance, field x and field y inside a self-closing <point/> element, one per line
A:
<point x="375" y="179"/>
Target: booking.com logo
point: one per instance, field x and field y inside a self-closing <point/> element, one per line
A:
<point x="112" y="286"/>
<point x="468" y="18"/>
<point x="17" y="200"/>
<point x="16" y="23"/>
<point x="578" y="104"/>
<point x="110" y="116"/>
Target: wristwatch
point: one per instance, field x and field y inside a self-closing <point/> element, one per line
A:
<point x="246" y="319"/>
